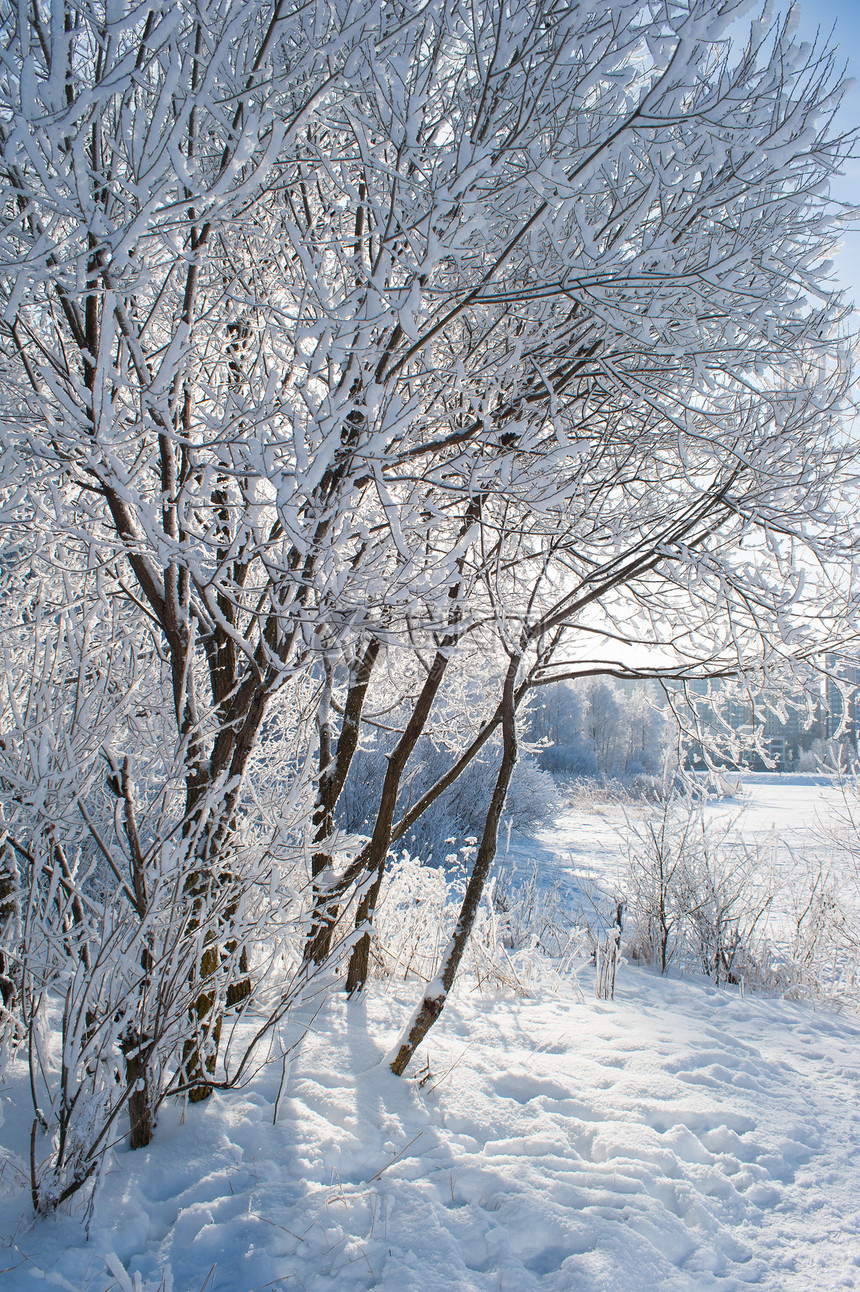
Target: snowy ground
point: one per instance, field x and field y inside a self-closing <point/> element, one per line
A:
<point x="679" y="1137"/>
<point x="790" y="823"/>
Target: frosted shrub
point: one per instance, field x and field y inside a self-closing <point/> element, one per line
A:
<point x="458" y="812"/>
<point x="696" y="896"/>
<point x="524" y="931"/>
<point x="824" y="948"/>
<point x="824" y="910"/>
<point x="109" y="992"/>
<point x="593" y="794"/>
<point x="414" y="905"/>
<point x="526" y="937"/>
<point x="724" y="904"/>
<point x="533" y="914"/>
<point x="658" y="859"/>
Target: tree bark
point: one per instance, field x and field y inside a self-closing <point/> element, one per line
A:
<point x="381" y="838"/>
<point x="332" y="779"/>
<point x="136" y="1049"/>
<point x="437" y="993"/>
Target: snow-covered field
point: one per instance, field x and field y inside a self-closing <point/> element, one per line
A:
<point x="790" y="825"/>
<point x="680" y="1136"/>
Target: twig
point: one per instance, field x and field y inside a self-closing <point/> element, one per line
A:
<point x="394" y="1159"/>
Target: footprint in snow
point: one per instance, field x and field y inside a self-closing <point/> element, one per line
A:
<point x="523" y="1089"/>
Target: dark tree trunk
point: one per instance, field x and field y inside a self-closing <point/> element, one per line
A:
<point x="434" y="1000"/>
<point x="136" y="1048"/>
<point x="380" y="840"/>
<point x="333" y="774"/>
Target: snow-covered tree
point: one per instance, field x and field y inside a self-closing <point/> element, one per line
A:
<point x="338" y="336"/>
<point x="601" y="727"/>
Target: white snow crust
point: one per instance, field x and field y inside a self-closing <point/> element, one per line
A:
<point x="681" y="1136"/>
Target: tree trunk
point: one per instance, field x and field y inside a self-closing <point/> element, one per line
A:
<point x="333" y="774"/>
<point x="437" y="993"/>
<point x="380" y="840"/>
<point x="136" y="1048"/>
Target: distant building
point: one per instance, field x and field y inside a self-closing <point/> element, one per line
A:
<point x="808" y="722"/>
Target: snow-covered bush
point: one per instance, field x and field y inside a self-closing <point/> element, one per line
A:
<point x="416" y="901"/>
<point x="696" y="896"/>
<point x="699" y="898"/>
<point x="823" y="906"/>
<point x="525" y="930"/>
<point x="536" y="914"/>
<point x="658" y="858"/>
<point x="111" y="932"/>
<point x="460" y="811"/>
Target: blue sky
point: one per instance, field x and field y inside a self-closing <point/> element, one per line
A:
<point x="845" y="15"/>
